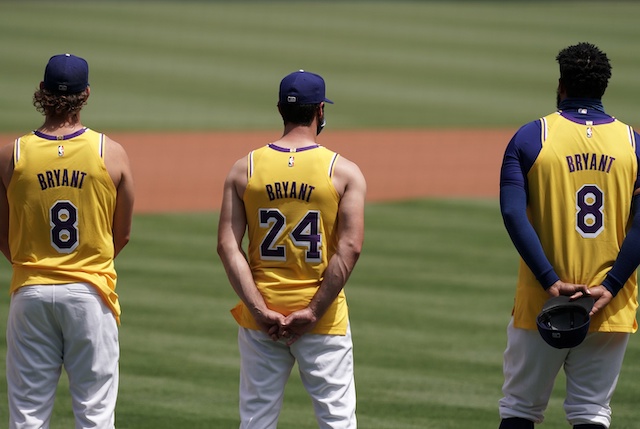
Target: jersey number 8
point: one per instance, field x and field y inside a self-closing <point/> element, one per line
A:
<point x="589" y="211"/>
<point x="64" y="226"/>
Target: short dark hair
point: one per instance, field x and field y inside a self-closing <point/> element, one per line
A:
<point x="53" y="104"/>
<point x="300" y="114"/>
<point x="584" y="70"/>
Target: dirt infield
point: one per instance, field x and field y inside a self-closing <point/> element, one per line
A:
<point x="185" y="171"/>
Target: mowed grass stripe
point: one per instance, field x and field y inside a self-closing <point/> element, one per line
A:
<point x="215" y="65"/>
<point x="428" y="325"/>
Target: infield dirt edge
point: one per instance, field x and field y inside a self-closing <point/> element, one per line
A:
<point x="185" y="172"/>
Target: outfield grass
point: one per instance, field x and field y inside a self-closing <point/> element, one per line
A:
<point x="201" y="65"/>
<point x="430" y="300"/>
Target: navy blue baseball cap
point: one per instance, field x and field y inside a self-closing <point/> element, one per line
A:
<point x="302" y="87"/>
<point x="564" y="323"/>
<point x="66" y="73"/>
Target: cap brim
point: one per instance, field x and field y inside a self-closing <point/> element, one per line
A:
<point x="326" y="100"/>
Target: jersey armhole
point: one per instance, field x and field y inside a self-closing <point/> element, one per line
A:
<point x="101" y="145"/>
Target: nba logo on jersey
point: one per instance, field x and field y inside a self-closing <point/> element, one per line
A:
<point x="61" y="150"/>
<point x="291" y="161"/>
<point x="589" y="132"/>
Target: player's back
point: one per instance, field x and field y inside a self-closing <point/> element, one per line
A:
<point x="580" y="191"/>
<point x="61" y="200"/>
<point x="580" y="188"/>
<point x="291" y="206"/>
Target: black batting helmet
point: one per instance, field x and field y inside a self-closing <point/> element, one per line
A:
<point x="564" y="323"/>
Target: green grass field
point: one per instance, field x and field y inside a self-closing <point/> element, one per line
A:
<point x="431" y="296"/>
<point x="187" y="65"/>
<point x="430" y="301"/>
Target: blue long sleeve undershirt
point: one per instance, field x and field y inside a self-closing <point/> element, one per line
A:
<point x="513" y="205"/>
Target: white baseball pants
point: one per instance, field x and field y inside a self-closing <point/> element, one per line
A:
<point x="326" y="370"/>
<point x="531" y="367"/>
<point x="54" y="325"/>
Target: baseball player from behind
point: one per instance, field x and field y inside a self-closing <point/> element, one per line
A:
<point x="66" y="206"/>
<point x="569" y="196"/>
<point x="303" y="208"/>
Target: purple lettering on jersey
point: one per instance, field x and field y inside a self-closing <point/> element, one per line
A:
<point x="311" y="188"/>
<point x="270" y="193"/>
<point x="49" y="175"/>
<point x="294" y="190"/>
<point x="278" y="188"/>
<point x="55" y="178"/>
<point x="585" y="158"/>
<point x="43" y="183"/>
<point x="590" y="161"/>
<point x="300" y="191"/>
<point x="611" y="159"/>
<point x="570" y="164"/>
<point x="303" y="191"/>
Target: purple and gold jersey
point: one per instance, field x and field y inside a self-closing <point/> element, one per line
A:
<point x="580" y="185"/>
<point x="62" y="198"/>
<point x="291" y="206"/>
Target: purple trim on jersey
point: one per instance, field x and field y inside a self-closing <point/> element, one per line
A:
<point x="298" y="149"/>
<point x="101" y="146"/>
<point x="332" y="163"/>
<point x="65" y="137"/>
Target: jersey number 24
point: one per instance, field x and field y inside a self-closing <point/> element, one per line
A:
<point x="305" y="234"/>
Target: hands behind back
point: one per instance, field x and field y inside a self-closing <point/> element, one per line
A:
<point x="599" y="293"/>
<point x="291" y="327"/>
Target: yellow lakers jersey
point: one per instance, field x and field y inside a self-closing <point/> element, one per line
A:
<point x="291" y="207"/>
<point x="61" y="204"/>
<point x="580" y="192"/>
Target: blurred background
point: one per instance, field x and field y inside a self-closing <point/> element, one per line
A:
<point x="214" y="65"/>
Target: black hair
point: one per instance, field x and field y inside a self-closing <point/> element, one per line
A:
<point x="300" y="114"/>
<point x="584" y="70"/>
